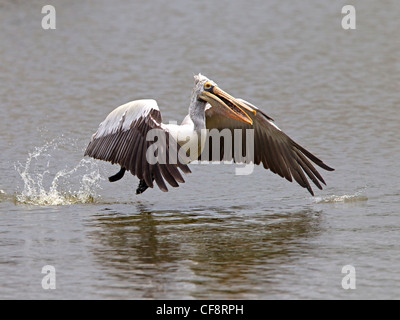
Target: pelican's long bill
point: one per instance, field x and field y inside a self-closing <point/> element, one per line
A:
<point x="218" y="97"/>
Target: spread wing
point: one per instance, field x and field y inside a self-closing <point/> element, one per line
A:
<point x="122" y="138"/>
<point x="272" y="147"/>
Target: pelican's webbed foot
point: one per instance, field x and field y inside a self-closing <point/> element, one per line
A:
<point x="117" y="176"/>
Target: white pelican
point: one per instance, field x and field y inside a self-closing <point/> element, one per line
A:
<point x="122" y="138"/>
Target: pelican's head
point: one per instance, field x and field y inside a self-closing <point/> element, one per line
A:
<point x="208" y="91"/>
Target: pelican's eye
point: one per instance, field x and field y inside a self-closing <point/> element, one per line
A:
<point x="208" y="86"/>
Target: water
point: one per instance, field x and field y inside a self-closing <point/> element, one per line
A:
<point x="219" y="235"/>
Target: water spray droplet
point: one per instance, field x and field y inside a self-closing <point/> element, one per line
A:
<point x="66" y="186"/>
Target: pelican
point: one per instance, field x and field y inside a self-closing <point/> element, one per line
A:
<point x="122" y="139"/>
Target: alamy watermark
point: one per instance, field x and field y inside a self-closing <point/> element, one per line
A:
<point x="49" y="20"/>
<point x="349" y="20"/>
<point x="349" y="280"/>
<point x="219" y="146"/>
<point x="49" y="280"/>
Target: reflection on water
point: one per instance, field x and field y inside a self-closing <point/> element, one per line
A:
<point x="203" y="251"/>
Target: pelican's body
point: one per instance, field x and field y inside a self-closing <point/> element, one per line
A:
<point x="123" y="138"/>
<point x="188" y="136"/>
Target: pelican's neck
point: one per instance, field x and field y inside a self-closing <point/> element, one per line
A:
<point x="197" y="114"/>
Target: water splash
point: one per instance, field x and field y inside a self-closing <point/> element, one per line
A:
<point x="347" y="198"/>
<point x="5" y="197"/>
<point x="45" y="185"/>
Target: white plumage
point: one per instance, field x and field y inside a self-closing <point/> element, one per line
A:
<point x="121" y="118"/>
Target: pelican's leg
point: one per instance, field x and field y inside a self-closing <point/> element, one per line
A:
<point x="117" y="176"/>
<point x="142" y="187"/>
